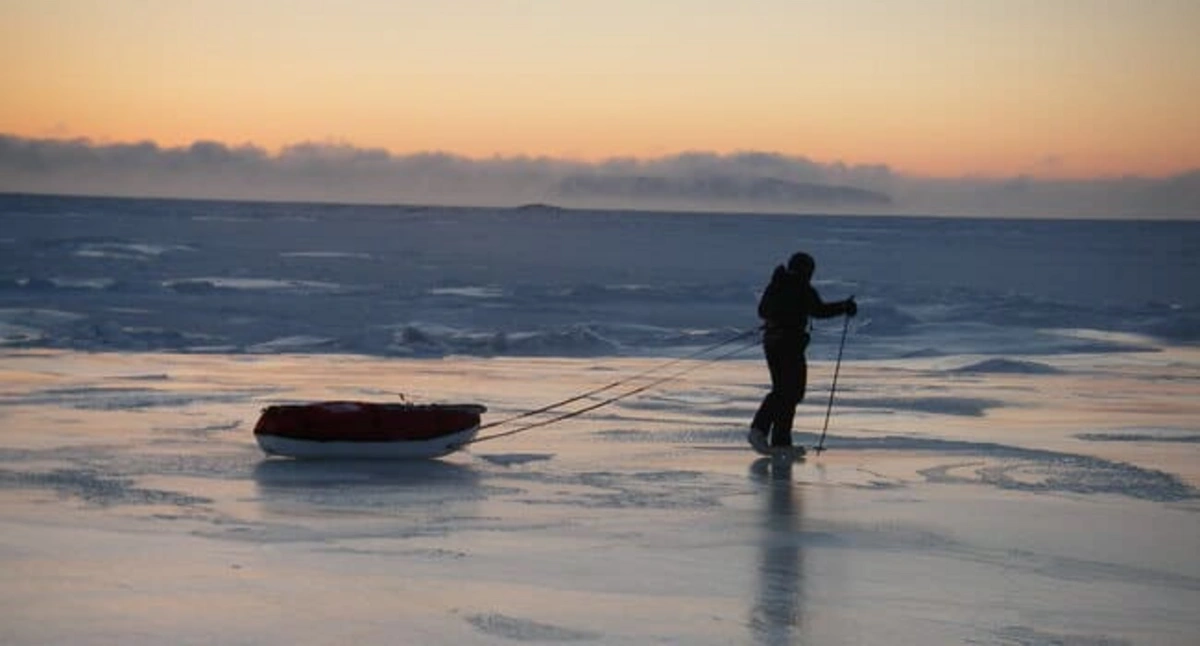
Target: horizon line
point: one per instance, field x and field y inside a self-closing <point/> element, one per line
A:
<point x="551" y="207"/>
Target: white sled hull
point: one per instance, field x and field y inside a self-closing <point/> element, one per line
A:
<point x="394" y="450"/>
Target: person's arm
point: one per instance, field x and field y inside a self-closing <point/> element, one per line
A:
<point x="818" y="308"/>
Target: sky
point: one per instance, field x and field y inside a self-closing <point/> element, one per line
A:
<point x="1055" y="90"/>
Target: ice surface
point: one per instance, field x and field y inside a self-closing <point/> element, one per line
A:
<point x="1012" y="452"/>
<point x="137" y="507"/>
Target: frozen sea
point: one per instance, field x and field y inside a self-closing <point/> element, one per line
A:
<point x="1014" y="447"/>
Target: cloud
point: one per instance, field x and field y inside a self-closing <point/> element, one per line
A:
<point x="753" y="180"/>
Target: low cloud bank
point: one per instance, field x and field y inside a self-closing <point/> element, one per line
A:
<point x="697" y="180"/>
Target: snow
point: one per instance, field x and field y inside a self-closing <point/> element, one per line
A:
<point x="588" y="283"/>
<point x="1008" y="366"/>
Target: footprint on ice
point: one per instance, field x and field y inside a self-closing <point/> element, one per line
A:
<point x="520" y="629"/>
<point x="513" y="459"/>
<point x="1023" y="635"/>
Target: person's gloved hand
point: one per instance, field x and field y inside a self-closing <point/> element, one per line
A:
<point x="851" y="307"/>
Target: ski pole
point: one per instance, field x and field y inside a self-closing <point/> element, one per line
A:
<point x="833" y="388"/>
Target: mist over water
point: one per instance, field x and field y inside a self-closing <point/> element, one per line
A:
<point x="137" y="274"/>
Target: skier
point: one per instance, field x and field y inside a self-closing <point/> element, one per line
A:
<point x="785" y="308"/>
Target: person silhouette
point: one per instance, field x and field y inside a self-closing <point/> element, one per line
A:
<point x="785" y="308"/>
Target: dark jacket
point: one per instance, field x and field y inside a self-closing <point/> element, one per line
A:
<point x="790" y="300"/>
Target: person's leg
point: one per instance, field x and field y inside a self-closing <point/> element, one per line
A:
<point x="760" y="426"/>
<point x="785" y="357"/>
<point x="790" y="394"/>
<point x="802" y="379"/>
<point x="766" y="414"/>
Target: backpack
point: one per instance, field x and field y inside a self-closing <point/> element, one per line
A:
<point x="771" y="305"/>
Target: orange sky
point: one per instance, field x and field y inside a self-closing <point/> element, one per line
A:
<point x="1058" y="88"/>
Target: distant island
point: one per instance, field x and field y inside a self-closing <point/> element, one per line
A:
<point x="541" y="207"/>
<point x="719" y="188"/>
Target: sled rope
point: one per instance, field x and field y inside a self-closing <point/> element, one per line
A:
<point x="616" y="384"/>
<point x="621" y="382"/>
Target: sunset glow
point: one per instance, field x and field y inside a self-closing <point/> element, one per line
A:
<point x="1068" y="88"/>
